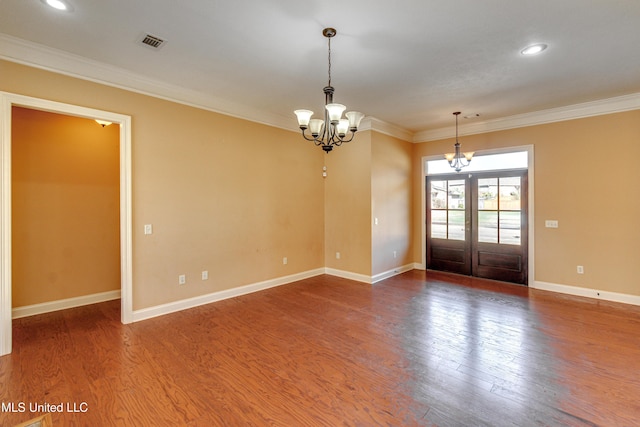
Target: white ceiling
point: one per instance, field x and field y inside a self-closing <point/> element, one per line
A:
<point x="409" y="63"/>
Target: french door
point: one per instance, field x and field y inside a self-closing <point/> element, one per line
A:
<point x="477" y="224"/>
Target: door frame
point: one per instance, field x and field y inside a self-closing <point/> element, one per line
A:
<point x="530" y="201"/>
<point x="8" y="100"/>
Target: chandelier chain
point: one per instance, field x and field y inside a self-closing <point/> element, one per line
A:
<point x="329" y="38"/>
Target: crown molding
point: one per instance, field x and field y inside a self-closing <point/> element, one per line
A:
<point x="38" y="56"/>
<point x="371" y="123"/>
<point x="577" y="111"/>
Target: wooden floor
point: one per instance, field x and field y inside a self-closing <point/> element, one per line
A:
<point x="421" y="348"/>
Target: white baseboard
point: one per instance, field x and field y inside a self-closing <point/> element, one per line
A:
<point x="393" y="272"/>
<point x="587" y="292"/>
<point x="348" y="275"/>
<point x="369" y="279"/>
<point x="63" y="304"/>
<point x="172" y="307"/>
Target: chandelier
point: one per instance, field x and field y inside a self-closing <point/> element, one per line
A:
<point x="455" y="159"/>
<point x="333" y="130"/>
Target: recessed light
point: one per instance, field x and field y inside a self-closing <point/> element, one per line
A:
<point x="58" y="4"/>
<point x="534" y="49"/>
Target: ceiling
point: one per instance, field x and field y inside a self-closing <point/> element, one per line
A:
<point x="408" y="64"/>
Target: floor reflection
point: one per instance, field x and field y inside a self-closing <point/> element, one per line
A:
<point x="478" y="356"/>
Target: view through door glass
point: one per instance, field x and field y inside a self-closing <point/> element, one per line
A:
<point x="448" y="219"/>
<point x="499" y="226"/>
<point x="477" y="224"/>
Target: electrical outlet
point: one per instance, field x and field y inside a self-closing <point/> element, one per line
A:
<point x="148" y="229"/>
<point x="580" y="269"/>
<point x="337" y="255"/>
<point x="395" y="254"/>
<point x="285" y="261"/>
<point x="205" y="275"/>
<point x="182" y="279"/>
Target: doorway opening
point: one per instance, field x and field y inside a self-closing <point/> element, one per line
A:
<point x="479" y="222"/>
<point x="7" y="102"/>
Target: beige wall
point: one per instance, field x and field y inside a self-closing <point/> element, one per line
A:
<point x="65" y="207"/>
<point x="235" y="197"/>
<point x="348" y="206"/>
<point x="391" y="203"/>
<point x="223" y="194"/>
<point x="368" y="178"/>
<point x="586" y="179"/>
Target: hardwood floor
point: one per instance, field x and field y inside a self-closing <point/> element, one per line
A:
<point x="422" y="348"/>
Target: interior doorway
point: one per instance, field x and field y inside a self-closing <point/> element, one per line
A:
<point x="479" y="222"/>
<point x="7" y="102"/>
<point x="65" y="211"/>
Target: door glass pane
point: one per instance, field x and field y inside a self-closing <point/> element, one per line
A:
<point x="488" y="194"/>
<point x="456" y="224"/>
<point x="438" y="194"/>
<point x="439" y="224"/>
<point x="510" y="193"/>
<point x="487" y="226"/>
<point x="448" y="209"/>
<point x="456" y="194"/>
<point x="510" y="228"/>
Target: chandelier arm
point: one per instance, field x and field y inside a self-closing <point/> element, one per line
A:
<point x="344" y="139"/>
<point x="331" y="135"/>
<point x="316" y="140"/>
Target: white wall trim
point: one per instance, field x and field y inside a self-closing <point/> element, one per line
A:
<point x="577" y="111"/>
<point x="390" y="273"/>
<point x="371" y="123"/>
<point x="348" y="275"/>
<point x="175" y="306"/>
<point x="7" y="100"/>
<point x="172" y="307"/>
<point x="39" y="56"/>
<point x="588" y="292"/>
<point x="5" y="227"/>
<point x="63" y="304"/>
<point x="58" y="61"/>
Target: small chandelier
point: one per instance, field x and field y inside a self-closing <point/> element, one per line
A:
<point x="455" y="159"/>
<point x="332" y="131"/>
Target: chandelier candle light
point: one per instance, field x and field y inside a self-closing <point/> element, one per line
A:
<point x="455" y="159"/>
<point x="332" y="131"/>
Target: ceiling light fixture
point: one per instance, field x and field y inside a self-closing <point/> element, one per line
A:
<point x="58" y="4"/>
<point x="534" y="49"/>
<point x="455" y="159"/>
<point x="103" y="123"/>
<point x="332" y="131"/>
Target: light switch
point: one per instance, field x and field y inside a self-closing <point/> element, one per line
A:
<point x="148" y="229"/>
<point x="551" y="223"/>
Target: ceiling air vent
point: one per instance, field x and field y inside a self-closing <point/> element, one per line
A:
<point x="152" y="41"/>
